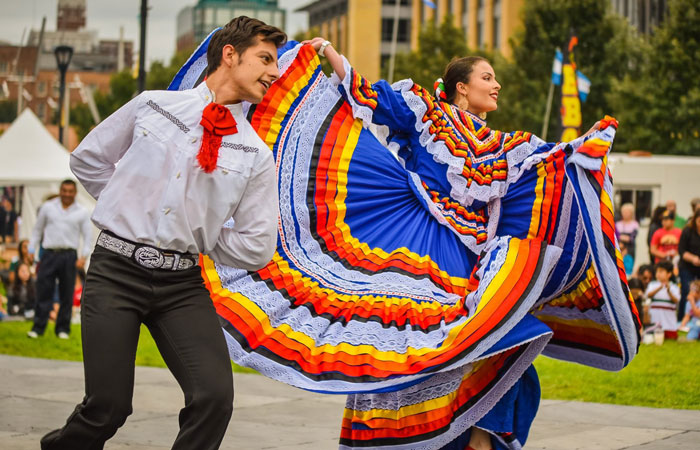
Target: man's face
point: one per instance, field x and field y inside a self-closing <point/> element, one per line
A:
<point x="252" y="72"/>
<point x="67" y="193"/>
<point x="667" y="223"/>
<point x="671" y="206"/>
<point x="6" y="204"/>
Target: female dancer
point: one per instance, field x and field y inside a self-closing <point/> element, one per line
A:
<point x="425" y="285"/>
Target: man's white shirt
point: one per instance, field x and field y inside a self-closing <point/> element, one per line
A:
<point x="58" y="227"/>
<point x="141" y="165"/>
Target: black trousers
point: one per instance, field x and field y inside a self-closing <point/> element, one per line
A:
<point x="118" y="296"/>
<point x="55" y="265"/>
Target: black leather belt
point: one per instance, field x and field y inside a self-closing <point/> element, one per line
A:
<point x="146" y="255"/>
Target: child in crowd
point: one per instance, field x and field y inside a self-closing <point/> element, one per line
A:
<point x="692" y="318"/>
<point x="637" y="291"/>
<point x="21" y="294"/>
<point x="664" y="297"/>
<point x="627" y="259"/>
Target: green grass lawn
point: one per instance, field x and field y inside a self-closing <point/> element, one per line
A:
<point x="665" y="376"/>
<point x="660" y="376"/>
<point x="14" y="341"/>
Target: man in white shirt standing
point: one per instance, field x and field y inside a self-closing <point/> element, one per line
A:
<point x="59" y="227"/>
<point x="188" y="162"/>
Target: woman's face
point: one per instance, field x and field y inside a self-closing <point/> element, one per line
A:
<point x="482" y="89"/>
<point x="627" y="214"/>
<point x="23" y="272"/>
<point x="24" y="248"/>
<point x="697" y="224"/>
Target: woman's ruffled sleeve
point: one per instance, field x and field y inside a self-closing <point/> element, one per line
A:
<point x="379" y="103"/>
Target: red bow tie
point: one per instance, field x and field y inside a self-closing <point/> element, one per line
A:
<point x="217" y="121"/>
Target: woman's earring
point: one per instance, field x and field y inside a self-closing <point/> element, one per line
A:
<point x="482" y="115"/>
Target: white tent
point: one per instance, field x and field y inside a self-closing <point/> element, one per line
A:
<point x="31" y="157"/>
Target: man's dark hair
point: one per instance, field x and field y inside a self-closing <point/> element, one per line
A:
<point x="242" y="33"/>
<point x="69" y="181"/>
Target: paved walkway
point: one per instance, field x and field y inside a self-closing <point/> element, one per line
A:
<point x="37" y="395"/>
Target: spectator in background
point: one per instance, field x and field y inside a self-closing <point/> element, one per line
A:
<point x="59" y="227"/>
<point x="679" y="222"/>
<point x="664" y="297"/>
<point x="689" y="263"/>
<point x="637" y="291"/>
<point x="627" y="228"/>
<point x="645" y="273"/>
<point x="664" y="242"/>
<point x="694" y="311"/>
<point x="654" y="224"/>
<point x="627" y="259"/>
<point x="23" y="257"/>
<point x="694" y="205"/>
<point x="9" y="229"/>
<point x="21" y="295"/>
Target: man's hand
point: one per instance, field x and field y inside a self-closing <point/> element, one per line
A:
<point x="80" y="263"/>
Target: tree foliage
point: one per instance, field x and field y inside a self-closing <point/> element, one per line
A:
<point x="122" y="88"/>
<point x="437" y="46"/>
<point x="660" y="103"/>
<point x="8" y="111"/>
<point x="608" y="49"/>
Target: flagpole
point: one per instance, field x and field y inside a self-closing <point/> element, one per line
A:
<point x="548" y="111"/>
<point x="394" y="39"/>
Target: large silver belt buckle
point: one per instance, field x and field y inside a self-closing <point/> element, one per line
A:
<point x="149" y="257"/>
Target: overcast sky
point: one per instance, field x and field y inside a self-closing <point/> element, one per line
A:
<point x="107" y="16"/>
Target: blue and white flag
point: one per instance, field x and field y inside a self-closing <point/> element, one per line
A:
<point x="556" y="67"/>
<point x="429" y="4"/>
<point x="583" y="84"/>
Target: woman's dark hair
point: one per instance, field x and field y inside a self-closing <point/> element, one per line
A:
<point x="635" y="283"/>
<point x="21" y="255"/>
<point x="646" y="268"/>
<point x="693" y="220"/>
<point x="656" y="215"/>
<point x="16" y="287"/>
<point x="242" y="33"/>
<point x="458" y="70"/>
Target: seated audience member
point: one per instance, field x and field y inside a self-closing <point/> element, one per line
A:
<point x="664" y="296"/>
<point x="664" y="242"/>
<point x="23" y="257"/>
<point x="8" y="221"/>
<point x="645" y="273"/>
<point x="21" y="295"/>
<point x="693" y="316"/>
<point x="637" y="291"/>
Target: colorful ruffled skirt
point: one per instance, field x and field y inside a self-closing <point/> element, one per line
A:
<point x="370" y="294"/>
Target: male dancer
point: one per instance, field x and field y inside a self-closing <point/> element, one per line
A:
<point x="188" y="162"/>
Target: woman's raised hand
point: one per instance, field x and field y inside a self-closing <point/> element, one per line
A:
<point x="315" y="42"/>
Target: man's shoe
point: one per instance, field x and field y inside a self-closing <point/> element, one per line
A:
<point x="63" y="335"/>
<point x="31" y="334"/>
